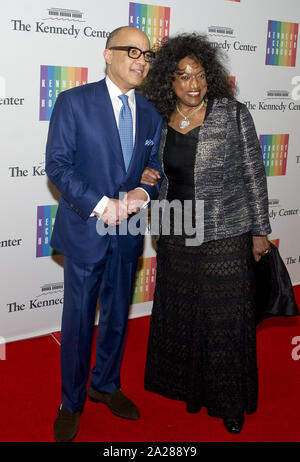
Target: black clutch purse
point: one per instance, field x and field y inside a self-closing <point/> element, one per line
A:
<point x="274" y="290"/>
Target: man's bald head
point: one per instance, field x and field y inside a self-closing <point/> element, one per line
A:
<point x="116" y="33"/>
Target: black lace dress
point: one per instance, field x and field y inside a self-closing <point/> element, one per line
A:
<point x="202" y="340"/>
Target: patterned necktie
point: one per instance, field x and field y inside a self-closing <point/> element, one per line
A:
<point x="126" y="130"/>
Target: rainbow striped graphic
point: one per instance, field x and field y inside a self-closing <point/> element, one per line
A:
<point x="282" y="41"/>
<point x="55" y="79"/>
<point x="45" y="222"/>
<point x="153" y="20"/>
<point x="275" y="242"/>
<point x="275" y="153"/>
<point x="145" y="281"/>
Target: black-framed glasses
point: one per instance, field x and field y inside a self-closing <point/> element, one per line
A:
<point x="135" y="53"/>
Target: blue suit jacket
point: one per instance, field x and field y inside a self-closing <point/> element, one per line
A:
<point x="84" y="160"/>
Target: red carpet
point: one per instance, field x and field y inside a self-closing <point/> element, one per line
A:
<point x="30" y="394"/>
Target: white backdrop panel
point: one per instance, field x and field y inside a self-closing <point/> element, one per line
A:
<point x="31" y="287"/>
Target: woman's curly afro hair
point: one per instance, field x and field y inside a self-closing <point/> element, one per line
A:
<point x="158" y="85"/>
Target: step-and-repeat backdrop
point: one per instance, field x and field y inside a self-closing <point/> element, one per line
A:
<point x="47" y="47"/>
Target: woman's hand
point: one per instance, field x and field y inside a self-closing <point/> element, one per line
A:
<point x="150" y="176"/>
<point x="260" y="246"/>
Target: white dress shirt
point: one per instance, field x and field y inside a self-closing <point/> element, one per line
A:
<point x="114" y="93"/>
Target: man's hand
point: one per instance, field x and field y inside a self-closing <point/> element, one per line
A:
<point x="260" y="247"/>
<point x="150" y="176"/>
<point x="134" y="200"/>
<point x="114" y="213"/>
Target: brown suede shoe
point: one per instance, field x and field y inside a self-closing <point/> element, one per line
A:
<point x="65" y="425"/>
<point x="117" y="403"/>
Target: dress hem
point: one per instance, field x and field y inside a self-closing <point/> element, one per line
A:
<point x="210" y="411"/>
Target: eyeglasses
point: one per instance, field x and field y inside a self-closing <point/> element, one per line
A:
<point x="135" y="53"/>
<point x="187" y="77"/>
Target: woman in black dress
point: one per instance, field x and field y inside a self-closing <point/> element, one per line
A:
<point x="202" y="341"/>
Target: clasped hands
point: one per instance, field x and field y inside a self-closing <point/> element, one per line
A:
<point x="118" y="210"/>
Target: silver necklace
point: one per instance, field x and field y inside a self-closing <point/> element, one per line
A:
<point x="185" y="122"/>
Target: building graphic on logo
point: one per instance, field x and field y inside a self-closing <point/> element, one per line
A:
<point x="55" y="79"/>
<point x="145" y="281"/>
<point x="282" y="41"/>
<point x="281" y="94"/>
<point x="151" y="19"/>
<point x="65" y="15"/>
<point x="221" y="30"/>
<point x="45" y="222"/>
<point x="274" y="202"/>
<point x="275" y="153"/>
<point x="52" y="287"/>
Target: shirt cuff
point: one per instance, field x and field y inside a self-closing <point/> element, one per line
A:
<point x="100" y="207"/>
<point x="147" y="200"/>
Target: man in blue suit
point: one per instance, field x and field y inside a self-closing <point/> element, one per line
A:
<point x="101" y="137"/>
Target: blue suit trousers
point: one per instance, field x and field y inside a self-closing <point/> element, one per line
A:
<point x="111" y="281"/>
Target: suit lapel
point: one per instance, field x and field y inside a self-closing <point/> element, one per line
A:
<point x="107" y="121"/>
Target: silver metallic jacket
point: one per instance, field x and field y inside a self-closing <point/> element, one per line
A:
<point x="229" y="173"/>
